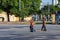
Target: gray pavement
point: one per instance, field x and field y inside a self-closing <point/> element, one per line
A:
<point x="22" y="32"/>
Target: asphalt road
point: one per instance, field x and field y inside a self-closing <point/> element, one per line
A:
<point x="22" y="32"/>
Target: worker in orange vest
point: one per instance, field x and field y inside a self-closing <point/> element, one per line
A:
<point x="43" y="25"/>
<point x="31" y="25"/>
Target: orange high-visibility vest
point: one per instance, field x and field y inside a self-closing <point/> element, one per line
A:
<point x="31" y="23"/>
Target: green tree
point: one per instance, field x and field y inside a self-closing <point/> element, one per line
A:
<point x="28" y="7"/>
<point x="8" y="6"/>
<point x="53" y="8"/>
<point x="49" y="9"/>
<point x="45" y="10"/>
<point x="58" y="0"/>
<point x="35" y="6"/>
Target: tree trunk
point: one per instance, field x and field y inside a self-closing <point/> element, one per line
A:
<point x="8" y="19"/>
<point x="22" y="19"/>
<point x="19" y="19"/>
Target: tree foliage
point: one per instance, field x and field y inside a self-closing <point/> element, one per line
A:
<point x="58" y="0"/>
<point x="49" y="9"/>
<point x="27" y="7"/>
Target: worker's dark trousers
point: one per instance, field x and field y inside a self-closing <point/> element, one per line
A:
<point x="31" y="28"/>
<point x="43" y="28"/>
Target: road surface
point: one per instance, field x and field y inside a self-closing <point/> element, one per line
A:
<point x="22" y="32"/>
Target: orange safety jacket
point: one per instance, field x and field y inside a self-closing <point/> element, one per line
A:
<point x="31" y="23"/>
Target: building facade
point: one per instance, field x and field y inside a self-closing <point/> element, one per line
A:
<point x="54" y="2"/>
<point x="11" y="17"/>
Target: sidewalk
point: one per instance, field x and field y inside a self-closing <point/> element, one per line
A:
<point x="22" y="23"/>
<point x="17" y="23"/>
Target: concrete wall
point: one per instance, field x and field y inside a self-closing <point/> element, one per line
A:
<point x="28" y="18"/>
<point x="3" y="14"/>
<point x="53" y="18"/>
<point x="17" y="19"/>
<point x="12" y="17"/>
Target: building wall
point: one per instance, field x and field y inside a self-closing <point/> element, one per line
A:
<point x="4" y="15"/>
<point x="17" y="19"/>
<point x="12" y="17"/>
<point x="53" y="18"/>
<point x="28" y="18"/>
<point x="55" y="2"/>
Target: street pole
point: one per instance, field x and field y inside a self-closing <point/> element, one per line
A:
<point x="52" y="5"/>
<point x="33" y="5"/>
<point x="19" y="8"/>
<point x="52" y="2"/>
<point x="48" y="7"/>
<point x="19" y="5"/>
